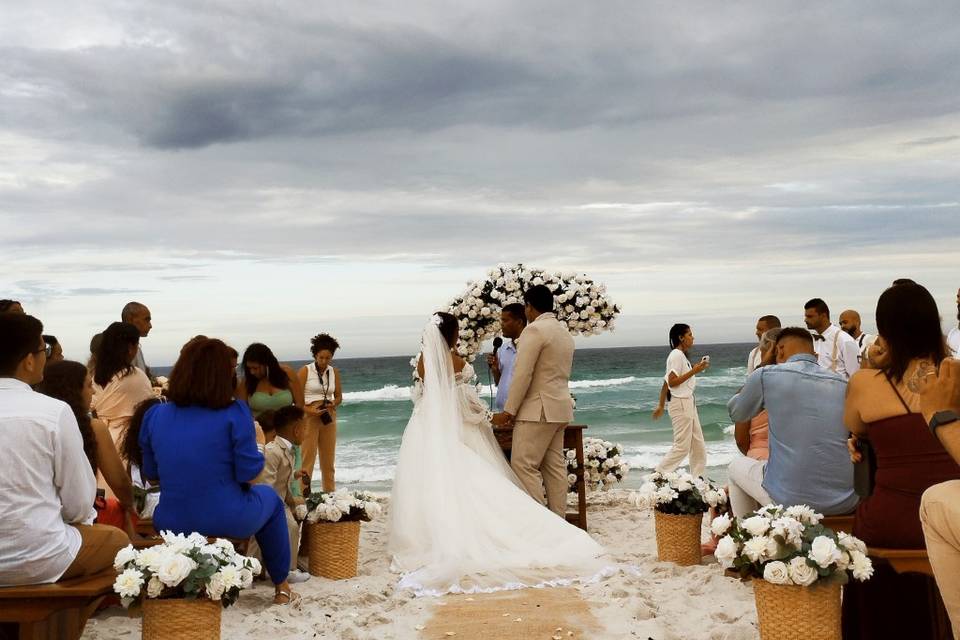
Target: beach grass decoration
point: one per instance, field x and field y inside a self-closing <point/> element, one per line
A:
<point x="797" y="566"/>
<point x="679" y="501"/>
<point x="603" y="465"/>
<point x="581" y="303"/>
<point x="333" y="521"/>
<point x="182" y="584"/>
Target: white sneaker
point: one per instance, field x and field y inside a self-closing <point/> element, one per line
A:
<point x="296" y="576"/>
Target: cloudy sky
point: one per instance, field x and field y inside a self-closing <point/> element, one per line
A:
<point x="269" y="170"/>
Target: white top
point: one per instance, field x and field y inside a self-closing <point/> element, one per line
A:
<point x="837" y="351"/>
<point x="46" y="483"/>
<point x="953" y="341"/>
<point x="318" y="388"/>
<point x="754" y="359"/>
<point x="678" y="363"/>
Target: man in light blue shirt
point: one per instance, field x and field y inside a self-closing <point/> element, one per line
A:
<point x="809" y="462"/>
<point x="512" y="322"/>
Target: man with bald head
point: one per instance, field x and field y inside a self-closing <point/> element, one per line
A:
<point x="809" y="462"/>
<point x="138" y="315"/>
<point x="850" y="323"/>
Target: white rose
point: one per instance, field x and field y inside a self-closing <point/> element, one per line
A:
<point x="851" y="543"/>
<point x="720" y="525"/>
<point x="571" y="454"/>
<point x="215" y="587"/>
<point x="862" y="566"/>
<point x="804" y="514"/>
<point x="254" y="566"/>
<point x="726" y="552"/>
<point x="684" y="485"/>
<point x="154" y="587"/>
<point x="128" y="583"/>
<point x="789" y="529"/>
<point x="756" y="549"/>
<point x="756" y="525"/>
<point x="571" y="479"/>
<point x="665" y="494"/>
<point x="824" y="551"/>
<point x="802" y="573"/>
<point x="776" y="572"/>
<point x="151" y="558"/>
<point x="844" y="561"/>
<point x="712" y="498"/>
<point x="125" y="555"/>
<point x="230" y="576"/>
<point x="174" y="569"/>
<point x="374" y="510"/>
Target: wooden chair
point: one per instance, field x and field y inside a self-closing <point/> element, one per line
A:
<point x="56" y="611"/>
<point x="839" y="523"/>
<point x="917" y="561"/>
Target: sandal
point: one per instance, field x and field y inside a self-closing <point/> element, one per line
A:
<point x="291" y="598"/>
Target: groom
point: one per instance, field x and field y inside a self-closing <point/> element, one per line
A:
<point x="539" y="404"/>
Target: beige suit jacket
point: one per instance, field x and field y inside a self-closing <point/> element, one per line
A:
<point x="540" y="389"/>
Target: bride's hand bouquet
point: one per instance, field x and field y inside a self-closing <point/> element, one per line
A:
<point x="581" y="303"/>
<point x="603" y="465"/>
<point x="679" y="493"/>
<point x="789" y="546"/>
<point x="185" y="567"/>
<point x="342" y="506"/>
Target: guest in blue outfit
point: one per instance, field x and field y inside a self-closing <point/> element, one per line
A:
<point x="809" y="462"/>
<point x="202" y="448"/>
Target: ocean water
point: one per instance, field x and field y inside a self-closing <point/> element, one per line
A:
<point x="616" y="391"/>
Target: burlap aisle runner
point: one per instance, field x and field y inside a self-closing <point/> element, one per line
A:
<point x="521" y="615"/>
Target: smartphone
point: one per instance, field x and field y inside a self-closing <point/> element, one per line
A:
<point x="705" y="359"/>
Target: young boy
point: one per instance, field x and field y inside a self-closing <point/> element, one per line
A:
<point x="288" y="430"/>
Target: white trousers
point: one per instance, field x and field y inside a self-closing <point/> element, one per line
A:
<point x="687" y="438"/>
<point x="745" y="482"/>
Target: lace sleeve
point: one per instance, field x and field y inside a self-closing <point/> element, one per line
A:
<point x="416" y="390"/>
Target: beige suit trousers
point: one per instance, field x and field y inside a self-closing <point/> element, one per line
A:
<point x="537" y="459"/>
<point x="940" y="515"/>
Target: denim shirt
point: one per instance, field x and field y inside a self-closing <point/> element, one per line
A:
<point x="809" y="462"/>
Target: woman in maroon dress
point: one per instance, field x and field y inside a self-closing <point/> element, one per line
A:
<point x="883" y="407"/>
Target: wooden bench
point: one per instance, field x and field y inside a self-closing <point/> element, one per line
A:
<point x="56" y="611"/>
<point x="839" y="523"/>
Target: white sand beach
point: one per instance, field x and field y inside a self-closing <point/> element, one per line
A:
<point x="662" y="601"/>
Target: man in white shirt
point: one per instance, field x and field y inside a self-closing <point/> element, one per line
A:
<point x="850" y="323"/>
<point x="47" y="487"/>
<point x="764" y="324"/>
<point x="953" y="337"/>
<point x="835" y="350"/>
<point x="512" y="323"/>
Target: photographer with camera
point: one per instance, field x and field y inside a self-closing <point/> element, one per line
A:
<point x="322" y="394"/>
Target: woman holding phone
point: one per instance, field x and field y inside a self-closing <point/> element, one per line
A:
<point x="322" y="394"/>
<point x="679" y="384"/>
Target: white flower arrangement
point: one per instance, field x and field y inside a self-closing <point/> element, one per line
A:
<point x="183" y="567"/>
<point x="581" y="303"/>
<point x="603" y="465"/>
<point x="342" y="506"/>
<point x="789" y="546"/>
<point x="678" y="493"/>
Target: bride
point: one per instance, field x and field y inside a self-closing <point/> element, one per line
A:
<point x="459" y="520"/>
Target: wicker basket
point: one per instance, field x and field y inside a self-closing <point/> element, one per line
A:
<point x="678" y="537"/>
<point x="786" y="612"/>
<point x="334" y="547"/>
<point x="181" y="619"/>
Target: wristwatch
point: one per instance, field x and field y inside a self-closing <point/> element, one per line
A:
<point x="941" y="418"/>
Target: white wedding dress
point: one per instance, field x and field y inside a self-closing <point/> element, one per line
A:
<point x="459" y="520"/>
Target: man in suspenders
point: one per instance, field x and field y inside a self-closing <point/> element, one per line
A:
<point x="835" y="349"/>
<point x="850" y="323"/>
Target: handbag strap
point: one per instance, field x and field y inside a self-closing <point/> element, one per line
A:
<point x="896" y="391"/>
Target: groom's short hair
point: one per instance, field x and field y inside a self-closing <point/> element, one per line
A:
<point x="539" y="297"/>
<point x="516" y="310"/>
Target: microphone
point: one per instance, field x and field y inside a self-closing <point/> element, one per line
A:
<point x="497" y="343"/>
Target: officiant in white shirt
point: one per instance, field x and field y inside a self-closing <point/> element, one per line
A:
<point x="835" y="349"/>
<point x="512" y="322"/>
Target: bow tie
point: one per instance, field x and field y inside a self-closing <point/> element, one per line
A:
<point x="818" y="336"/>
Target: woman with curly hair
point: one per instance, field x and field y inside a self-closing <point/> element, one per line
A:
<point x="322" y="394"/>
<point x="71" y="382"/>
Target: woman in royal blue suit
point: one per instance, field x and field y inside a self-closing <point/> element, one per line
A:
<point x="202" y="448"/>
